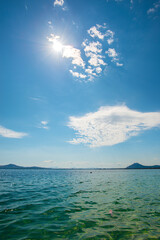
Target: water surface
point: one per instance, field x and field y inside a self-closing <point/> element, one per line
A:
<point x="75" y="204"/>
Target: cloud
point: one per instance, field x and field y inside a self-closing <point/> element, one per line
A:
<point x="43" y="124"/>
<point x="94" y="32"/>
<point x="110" y="34"/>
<point x="74" y="53"/>
<point x="35" y="98"/>
<point x="113" y="54"/>
<point x="38" y="99"/>
<point x="119" y="64"/>
<point x="111" y="125"/>
<point x="90" y="71"/>
<point x="96" y="60"/>
<point x="48" y="161"/>
<point x="68" y="51"/>
<point x="78" y="75"/>
<point x="151" y="10"/>
<point x="91" y="58"/>
<point x="154" y="8"/>
<point x="119" y="1"/>
<point x="26" y="7"/>
<point x="98" y="69"/>
<point x="93" y="50"/>
<point x="58" y="2"/>
<point x="53" y="37"/>
<point x="4" y="132"/>
<point x="95" y="47"/>
<point x="110" y="41"/>
<point x="131" y="4"/>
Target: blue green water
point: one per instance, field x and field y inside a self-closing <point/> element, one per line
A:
<point x="75" y="204"/>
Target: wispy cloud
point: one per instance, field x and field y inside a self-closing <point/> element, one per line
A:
<point x="36" y="99"/>
<point x="26" y="7"/>
<point x="53" y="37"/>
<point x="120" y="1"/>
<point x="93" y="51"/>
<point x="50" y="24"/>
<point x="44" y="125"/>
<point x="8" y="133"/>
<point x="48" y="161"/>
<point x="78" y="75"/>
<point x="111" y="125"/>
<point x="119" y="64"/>
<point x="114" y="55"/>
<point x="154" y="9"/>
<point x="58" y="2"/>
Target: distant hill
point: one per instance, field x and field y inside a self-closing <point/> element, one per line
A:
<point x="13" y="166"/>
<point x="133" y="166"/>
<point x="140" y="166"/>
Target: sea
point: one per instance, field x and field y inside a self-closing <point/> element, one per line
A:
<point x="79" y="204"/>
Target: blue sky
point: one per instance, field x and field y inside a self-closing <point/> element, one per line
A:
<point x="79" y="83"/>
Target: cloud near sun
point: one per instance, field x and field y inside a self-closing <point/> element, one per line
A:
<point x="96" y="51"/>
<point x="111" y="125"/>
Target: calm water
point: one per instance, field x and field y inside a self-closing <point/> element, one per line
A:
<point x="75" y="204"/>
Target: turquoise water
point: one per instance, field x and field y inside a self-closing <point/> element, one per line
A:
<point x="75" y="204"/>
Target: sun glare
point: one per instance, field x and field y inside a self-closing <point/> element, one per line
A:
<point x="57" y="45"/>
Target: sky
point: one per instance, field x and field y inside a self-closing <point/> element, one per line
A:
<point x="79" y="83"/>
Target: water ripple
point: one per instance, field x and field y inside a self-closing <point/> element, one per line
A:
<point x="76" y="205"/>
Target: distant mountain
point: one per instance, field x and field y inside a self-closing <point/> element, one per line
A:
<point x="140" y="166"/>
<point x="133" y="166"/>
<point x="13" y="166"/>
<point x="10" y="166"/>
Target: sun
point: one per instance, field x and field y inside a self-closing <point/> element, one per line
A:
<point x="57" y="45"/>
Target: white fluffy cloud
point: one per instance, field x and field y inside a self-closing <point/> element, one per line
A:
<point x="96" y="60"/>
<point x="110" y="40"/>
<point x="95" y="47"/>
<point x="4" y="132"/>
<point x="75" y="54"/>
<point x="111" y="125"/>
<point x="58" y="2"/>
<point x="98" y="69"/>
<point x="112" y="52"/>
<point x="93" y="52"/>
<point x="78" y="75"/>
<point x="94" y="32"/>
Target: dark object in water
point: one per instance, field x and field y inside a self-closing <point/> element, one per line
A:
<point x="90" y="172"/>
